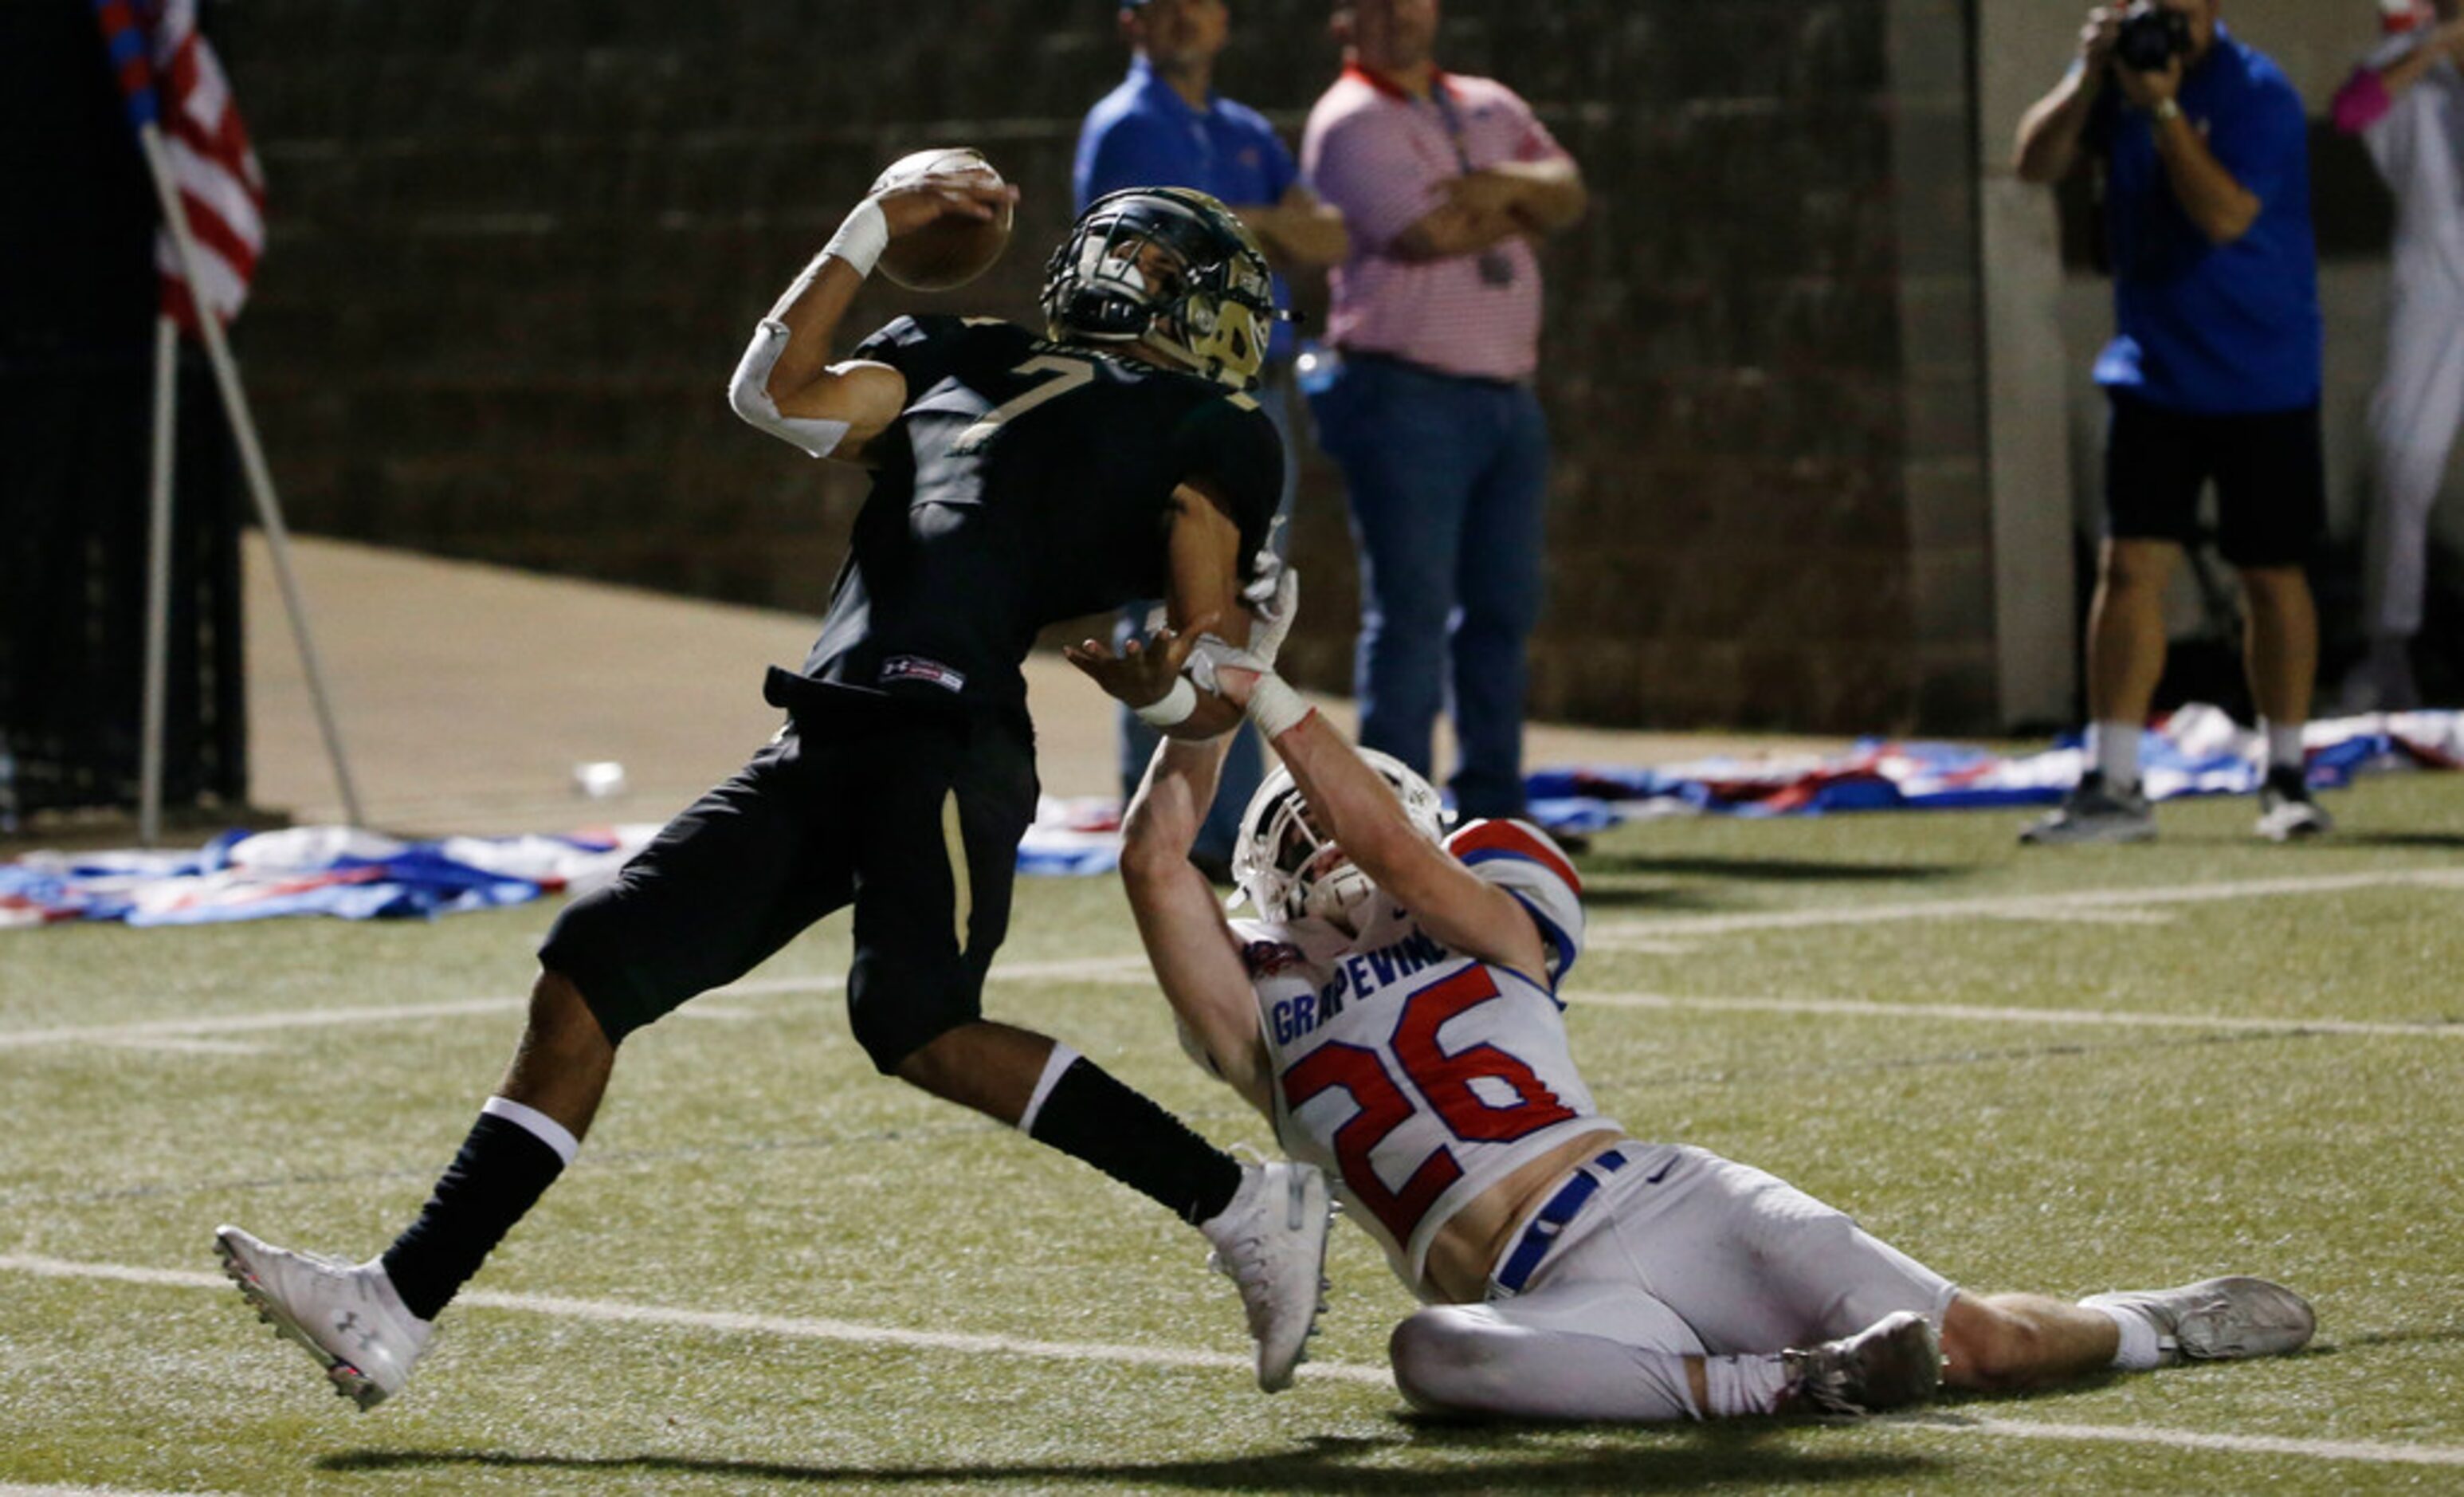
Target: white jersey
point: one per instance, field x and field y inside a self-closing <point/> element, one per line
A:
<point x="2419" y="147"/>
<point x="1418" y="1077"/>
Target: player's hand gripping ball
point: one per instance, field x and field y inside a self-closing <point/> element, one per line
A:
<point x="949" y="215"/>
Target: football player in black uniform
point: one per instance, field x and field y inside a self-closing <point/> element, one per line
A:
<point x="1019" y="480"/>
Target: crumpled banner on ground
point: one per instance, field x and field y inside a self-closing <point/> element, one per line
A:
<point x="338" y="870"/>
<point x="2195" y="750"/>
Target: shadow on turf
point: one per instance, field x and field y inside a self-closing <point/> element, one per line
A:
<point x="1477" y="1459"/>
<point x="1709" y="896"/>
<point x="2399" y="839"/>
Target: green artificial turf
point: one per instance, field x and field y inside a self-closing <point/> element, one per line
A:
<point x="2040" y="1090"/>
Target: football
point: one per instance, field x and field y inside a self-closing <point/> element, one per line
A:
<point x="953" y="250"/>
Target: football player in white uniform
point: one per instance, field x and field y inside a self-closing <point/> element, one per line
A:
<point x="1394" y="1006"/>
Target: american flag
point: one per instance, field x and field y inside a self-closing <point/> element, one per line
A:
<point x="156" y="42"/>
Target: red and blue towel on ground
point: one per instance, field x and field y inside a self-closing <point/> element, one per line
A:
<point x="358" y="874"/>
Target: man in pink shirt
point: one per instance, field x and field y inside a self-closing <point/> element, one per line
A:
<point x="1447" y="183"/>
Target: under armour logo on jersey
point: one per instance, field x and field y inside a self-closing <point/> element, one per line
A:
<point x="915" y="667"/>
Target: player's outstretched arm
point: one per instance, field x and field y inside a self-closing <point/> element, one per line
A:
<point x="1355" y="807"/>
<point x="785" y="384"/>
<point x="1188" y="942"/>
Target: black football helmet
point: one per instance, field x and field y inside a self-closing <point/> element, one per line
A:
<point x="1169" y="268"/>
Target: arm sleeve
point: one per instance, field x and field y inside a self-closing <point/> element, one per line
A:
<point x="1520" y="858"/>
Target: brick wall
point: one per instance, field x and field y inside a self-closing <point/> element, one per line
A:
<point x="519" y="244"/>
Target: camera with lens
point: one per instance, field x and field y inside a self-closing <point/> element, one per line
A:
<point x="2150" y="38"/>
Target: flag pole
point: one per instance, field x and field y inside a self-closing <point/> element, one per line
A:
<point x="252" y="456"/>
<point x="158" y="578"/>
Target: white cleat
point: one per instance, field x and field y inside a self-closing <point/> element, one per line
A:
<point x="1271" y="1242"/>
<point x="347" y="1315"/>
<point x="2218" y="1320"/>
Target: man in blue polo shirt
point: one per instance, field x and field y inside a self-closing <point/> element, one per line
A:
<point x="1165" y="126"/>
<point x="2213" y="375"/>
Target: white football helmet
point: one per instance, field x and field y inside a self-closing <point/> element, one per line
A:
<point x="1288" y="868"/>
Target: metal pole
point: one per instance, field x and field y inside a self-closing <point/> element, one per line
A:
<point x="158" y="578"/>
<point x="251" y="458"/>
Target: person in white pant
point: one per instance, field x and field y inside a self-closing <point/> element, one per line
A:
<point x="2405" y="101"/>
<point x="1394" y="1009"/>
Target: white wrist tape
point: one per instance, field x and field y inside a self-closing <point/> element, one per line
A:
<point x="861" y="237"/>
<point x="1275" y="707"/>
<point x="748" y="395"/>
<point x="1171" y="708"/>
<point x="1211" y="653"/>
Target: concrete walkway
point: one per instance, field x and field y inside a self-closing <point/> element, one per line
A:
<point x="468" y="696"/>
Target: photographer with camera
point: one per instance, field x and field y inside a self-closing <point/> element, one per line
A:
<point x="2214" y="374"/>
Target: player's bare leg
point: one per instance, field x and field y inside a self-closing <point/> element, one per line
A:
<point x="563" y="1060"/>
<point x="2002" y="1342"/>
<point x="2007" y="1342"/>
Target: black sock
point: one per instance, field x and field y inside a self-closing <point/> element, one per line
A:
<point x="1088" y="1116"/>
<point x="501" y="1172"/>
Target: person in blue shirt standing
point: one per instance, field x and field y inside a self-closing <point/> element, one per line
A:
<point x="1165" y="125"/>
<point x="2214" y="374"/>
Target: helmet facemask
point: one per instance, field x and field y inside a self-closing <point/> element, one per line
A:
<point x="1290" y="869"/>
<point x="1171" y="270"/>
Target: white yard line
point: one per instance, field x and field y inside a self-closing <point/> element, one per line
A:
<point x="2121" y="1018"/>
<point x="164" y="1031"/>
<point x="1613" y="935"/>
<point x="254" y="1023"/>
<point x="804" y="1328"/>
<point x="794" y="1327"/>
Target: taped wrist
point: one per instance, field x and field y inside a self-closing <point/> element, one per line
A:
<point x="1171" y="708"/>
<point x="1212" y="653"/>
<point x="861" y="237"/>
<point x="1275" y="707"/>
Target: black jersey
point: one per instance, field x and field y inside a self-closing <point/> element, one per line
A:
<point x="1026" y="483"/>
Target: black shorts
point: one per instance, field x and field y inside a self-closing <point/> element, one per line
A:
<point x="2270" y="471"/>
<point x="914" y="817"/>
